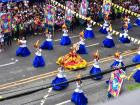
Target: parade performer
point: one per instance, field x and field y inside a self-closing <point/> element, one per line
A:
<point x="124" y="36"/>
<point x="96" y="68"/>
<point x="136" y="58"/>
<point x="72" y="60"/>
<point x="82" y="49"/>
<point x="89" y="32"/>
<point x="60" y="78"/>
<point x="127" y="21"/>
<point x="137" y="22"/>
<point x="48" y="43"/>
<point x="108" y="42"/>
<point x="118" y="61"/>
<point x="65" y="40"/>
<point x="105" y="26"/>
<point x="22" y="51"/>
<point x="136" y="74"/>
<point x="38" y="60"/>
<point x="78" y="97"/>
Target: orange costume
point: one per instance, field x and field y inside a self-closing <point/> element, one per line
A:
<point x="72" y="60"/>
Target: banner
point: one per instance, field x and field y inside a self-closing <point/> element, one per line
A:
<point x="115" y="82"/>
<point x="50" y="15"/>
<point x="68" y="13"/>
<point x="106" y="6"/>
<point x="83" y="8"/>
<point x="5" y="21"/>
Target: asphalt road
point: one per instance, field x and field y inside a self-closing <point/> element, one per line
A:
<point x="14" y="68"/>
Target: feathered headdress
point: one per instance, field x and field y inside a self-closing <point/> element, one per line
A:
<point x="36" y="44"/>
<point x="46" y="31"/>
<point x="117" y="54"/>
<point x="64" y="26"/>
<point x="79" y="78"/>
<point x="125" y="26"/>
<point x="89" y="19"/>
<point x="81" y="34"/>
<point x="96" y="55"/>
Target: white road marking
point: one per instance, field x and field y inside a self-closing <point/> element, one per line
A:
<point x="62" y="103"/>
<point x="7" y="64"/>
<point x="70" y="37"/>
<point x="93" y="45"/>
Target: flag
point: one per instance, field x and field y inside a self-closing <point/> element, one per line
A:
<point x="106" y="8"/>
<point x="84" y="7"/>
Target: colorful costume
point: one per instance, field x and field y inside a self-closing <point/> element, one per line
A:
<point x="136" y="58"/>
<point x="38" y="60"/>
<point x="82" y="49"/>
<point x="89" y="32"/>
<point x="72" y="60"/>
<point x="78" y="97"/>
<point x="124" y="37"/>
<point x="104" y="28"/>
<point x="108" y="42"/>
<point x="48" y="43"/>
<point x="96" y="69"/>
<point x="60" y="78"/>
<point x="65" y="40"/>
<point x="118" y="61"/>
<point x="137" y="22"/>
<point x="22" y="51"/>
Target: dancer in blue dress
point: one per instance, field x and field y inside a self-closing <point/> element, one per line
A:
<point x="118" y="61"/>
<point x="105" y="26"/>
<point x="137" y="22"/>
<point x="22" y="51"/>
<point x="96" y="68"/>
<point x="82" y="48"/>
<point x="124" y="36"/>
<point x="108" y="42"/>
<point x="88" y="34"/>
<point x="60" y="78"/>
<point x="78" y="97"/>
<point x="65" y="40"/>
<point x="38" y="60"/>
<point x="136" y="58"/>
<point x="48" y="43"/>
<point x="127" y="21"/>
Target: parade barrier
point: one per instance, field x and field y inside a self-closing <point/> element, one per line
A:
<point x="125" y="10"/>
<point x="84" y="77"/>
<point x="114" y="32"/>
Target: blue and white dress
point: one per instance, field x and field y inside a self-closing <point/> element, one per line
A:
<point x="104" y="28"/>
<point x="60" y="78"/>
<point x="136" y="76"/>
<point x="65" y="40"/>
<point x="47" y="44"/>
<point x="82" y="48"/>
<point x="108" y="42"/>
<point x="78" y="97"/>
<point x="95" y="70"/>
<point x="88" y="33"/>
<point x="124" y="37"/>
<point x="137" y="22"/>
<point x="136" y="58"/>
<point x="23" y="51"/>
<point x="38" y="60"/>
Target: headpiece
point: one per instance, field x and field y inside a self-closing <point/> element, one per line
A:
<point x="36" y="44"/>
<point x="117" y="54"/>
<point x="96" y="55"/>
<point x="64" y="26"/>
<point x="81" y="34"/>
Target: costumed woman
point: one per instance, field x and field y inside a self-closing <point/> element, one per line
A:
<point x="105" y="26"/>
<point x="78" y="97"/>
<point x="137" y="22"/>
<point x="72" y="60"/>
<point x="108" y="42"/>
<point x="96" y="68"/>
<point x="38" y="60"/>
<point x="136" y="58"/>
<point x="118" y="61"/>
<point x="136" y="74"/>
<point x="48" y="43"/>
<point x="88" y="34"/>
<point x="65" y="39"/>
<point x="22" y="51"/>
<point x="82" y="49"/>
<point x="124" y="36"/>
<point x="60" y="78"/>
<point x="127" y="21"/>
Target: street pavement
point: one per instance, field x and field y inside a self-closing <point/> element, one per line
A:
<point x="14" y="68"/>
